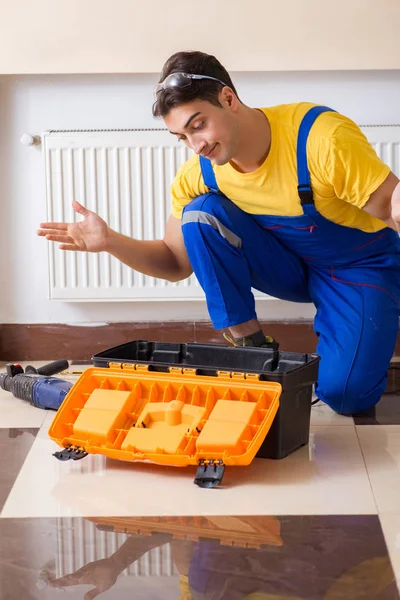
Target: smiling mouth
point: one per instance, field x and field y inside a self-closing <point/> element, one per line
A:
<point x="210" y="152"/>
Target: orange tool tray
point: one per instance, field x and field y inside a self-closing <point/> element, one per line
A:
<point x="227" y="530"/>
<point x="175" y="418"/>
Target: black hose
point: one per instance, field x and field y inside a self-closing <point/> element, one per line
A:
<point x="50" y="369"/>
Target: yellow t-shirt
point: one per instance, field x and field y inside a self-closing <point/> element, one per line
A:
<point x="344" y="170"/>
<point x="186" y="593"/>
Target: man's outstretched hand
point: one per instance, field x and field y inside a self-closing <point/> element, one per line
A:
<point x="89" y="235"/>
<point x="101" y="573"/>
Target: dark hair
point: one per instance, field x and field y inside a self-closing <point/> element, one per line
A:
<point x="197" y="63"/>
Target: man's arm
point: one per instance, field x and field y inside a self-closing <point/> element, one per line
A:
<point x="104" y="573"/>
<point x="164" y="259"/>
<point x="384" y="203"/>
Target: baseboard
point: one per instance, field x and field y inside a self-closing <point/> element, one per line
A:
<point x="52" y="341"/>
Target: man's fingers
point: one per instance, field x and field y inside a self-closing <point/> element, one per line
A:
<point x="67" y="580"/>
<point x="72" y="247"/>
<point x="45" y="232"/>
<point x="67" y="243"/>
<point x="92" y="594"/>
<point x="81" y="576"/>
<point x="58" y="226"/>
<point x="64" y="239"/>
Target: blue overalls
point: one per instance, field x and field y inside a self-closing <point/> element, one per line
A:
<point x="351" y="276"/>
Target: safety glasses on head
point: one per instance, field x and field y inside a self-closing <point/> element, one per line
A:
<point x="181" y="80"/>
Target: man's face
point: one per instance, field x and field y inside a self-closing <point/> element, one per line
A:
<point x="207" y="129"/>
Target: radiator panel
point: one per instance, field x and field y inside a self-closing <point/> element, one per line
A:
<point x="125" y="176"/>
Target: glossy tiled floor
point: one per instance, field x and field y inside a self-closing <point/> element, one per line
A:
<point x="324" y="523"/>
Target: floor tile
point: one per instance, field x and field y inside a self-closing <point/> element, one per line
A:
<point x="287" y="558"/>
<point x="380" y="446"/>
<point x="14" y="447"/>
<point x="386" y="412"/>
<point x="391" y="529"/>
<point x="306" y="482"/>
<point x="322" y="414"/>
<point x="19" y="413"/>
<point x="49" y="418"/>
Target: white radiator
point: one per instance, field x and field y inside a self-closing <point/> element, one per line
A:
<point x="125" y="176"/>
<point x="79" y="542"/>
<point x="386" y="141"/>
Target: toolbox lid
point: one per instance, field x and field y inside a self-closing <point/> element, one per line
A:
<point x="177" y="418"/>
<point x="235" y="531"/>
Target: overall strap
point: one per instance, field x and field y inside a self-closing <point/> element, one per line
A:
<point x="208" y="174"/>
<point x="303" y="174"/>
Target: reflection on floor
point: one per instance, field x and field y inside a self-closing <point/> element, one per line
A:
<point x="323" y="523"/>
<point x="224" y="557"/>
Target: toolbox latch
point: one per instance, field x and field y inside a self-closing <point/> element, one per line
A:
<point x="188" y="371"/>
<point x="238" y="375"/>
<point x="175" y="370"/>
<point x="115" y="365"/>
<point x="71" y="453"/>
<point x="209" y="473"/>
<point x="130" y="367"/>
<point x="224" y="374"/>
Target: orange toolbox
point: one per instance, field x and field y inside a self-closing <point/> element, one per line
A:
<point x="295" y="371"/>
<point x="188" y="404"/>
<point x="179" y="418"/>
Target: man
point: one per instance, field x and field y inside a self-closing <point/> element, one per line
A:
<point x="290" y="200"/>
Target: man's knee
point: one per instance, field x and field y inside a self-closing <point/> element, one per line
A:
<point x="206" y="216"/>
<point x="205" y="203"/>
<point x="349" y="393"/>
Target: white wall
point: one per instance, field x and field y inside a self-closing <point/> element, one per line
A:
<point x="132" y="36"/>
<point x="38" y="103"/>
